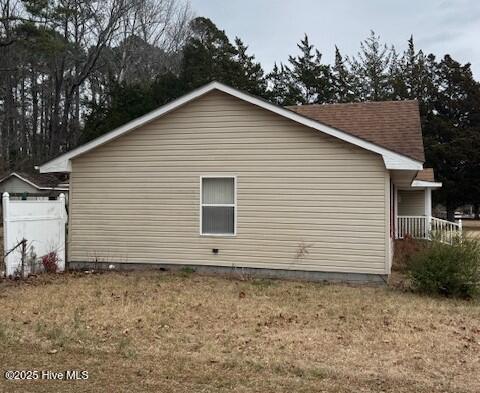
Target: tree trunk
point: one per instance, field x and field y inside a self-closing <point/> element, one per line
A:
<point x="34" y="116"/>
<point x="54" y="128"/>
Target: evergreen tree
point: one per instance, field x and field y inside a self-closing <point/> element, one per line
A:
<point x="372" y="69"/>
<point x="127" y="102"/>
<point x="452" y="132"/>
<point x="415" y="77"/>
<point x="449" y="99"/>
<point x="312" y="80"/>
<point x="208" y="55"/>
<point x="344" y="83"/>
<point x="281" y="86"/>
<point x="414" y="72"/>
<point x="395" y="74"/>
<point x="470" y="144"/>
<point x="250" y="76"/>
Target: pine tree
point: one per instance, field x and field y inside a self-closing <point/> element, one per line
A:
<point x="312" y="79"/>
<point x="208" y="55"/>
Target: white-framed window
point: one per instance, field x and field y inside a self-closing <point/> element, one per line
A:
<point x="218" y="205"/>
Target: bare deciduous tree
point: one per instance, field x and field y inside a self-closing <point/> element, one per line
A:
<point x="56" y="55"/>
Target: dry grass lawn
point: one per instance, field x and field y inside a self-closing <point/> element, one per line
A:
<point x="164" y="332"/>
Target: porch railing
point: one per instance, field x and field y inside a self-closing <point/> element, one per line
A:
<point x="414" y="226"/>
<point x="424" y="227"/>
<point x="446" y="231"/>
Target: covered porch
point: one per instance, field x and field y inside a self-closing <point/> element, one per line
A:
<point x="412" y="208"/>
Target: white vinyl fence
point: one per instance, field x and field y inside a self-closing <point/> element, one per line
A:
<point x="41" y="223"/>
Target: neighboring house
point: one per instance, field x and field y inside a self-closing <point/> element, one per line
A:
<point x="22" y="185"/>
<point x="221" y="178"/>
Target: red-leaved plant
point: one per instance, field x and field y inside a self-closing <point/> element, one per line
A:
<point x="50" y="262"/>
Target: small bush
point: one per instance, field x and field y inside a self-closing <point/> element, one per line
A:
<point x="404" y="250"/>
<point x="50" y="262"/>
<point x="450" y="270"/>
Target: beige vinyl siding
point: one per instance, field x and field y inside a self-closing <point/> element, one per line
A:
<point x="137" y="198"/>
<point x="411" y="203"/>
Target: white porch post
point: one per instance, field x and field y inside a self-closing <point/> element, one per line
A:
<point x="428" y="210"/>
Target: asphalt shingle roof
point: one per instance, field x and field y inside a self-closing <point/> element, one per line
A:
<point x="426" y="174"/>
<point x="394" y="125"/>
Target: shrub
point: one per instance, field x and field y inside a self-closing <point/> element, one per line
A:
<point x="450" y="270"/>
<point x="404" y="250"/>
<point x="50" y="262"/>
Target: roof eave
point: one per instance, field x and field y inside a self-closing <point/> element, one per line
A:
<point x="399" y="162"/>
<point x="426" y="184"/>
<point x="64" y="165"/>
<point x="391" y="159"/>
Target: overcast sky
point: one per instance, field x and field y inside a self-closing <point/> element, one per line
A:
<point x="271" y="28"/>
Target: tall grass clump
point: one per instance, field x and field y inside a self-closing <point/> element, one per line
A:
<point x="450" y="270"/>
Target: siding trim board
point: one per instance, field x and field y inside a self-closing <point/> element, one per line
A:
<point x="293" y="213"/>
<point x="392" y="160"/>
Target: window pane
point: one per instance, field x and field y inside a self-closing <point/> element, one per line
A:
<point x="218" y="190"/>
<point x="218" y="220"/>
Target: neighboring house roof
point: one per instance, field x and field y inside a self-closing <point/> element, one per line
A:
<point x="392" y="159"/>
<point x="394" y="125"/>
<point x="41" y="181"/>
<point x="426" y="178"/>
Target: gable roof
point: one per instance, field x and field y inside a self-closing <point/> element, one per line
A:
<point x="394" y="125"/>
<point x="391" y="158"/>
<point x="41" y="181"/>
